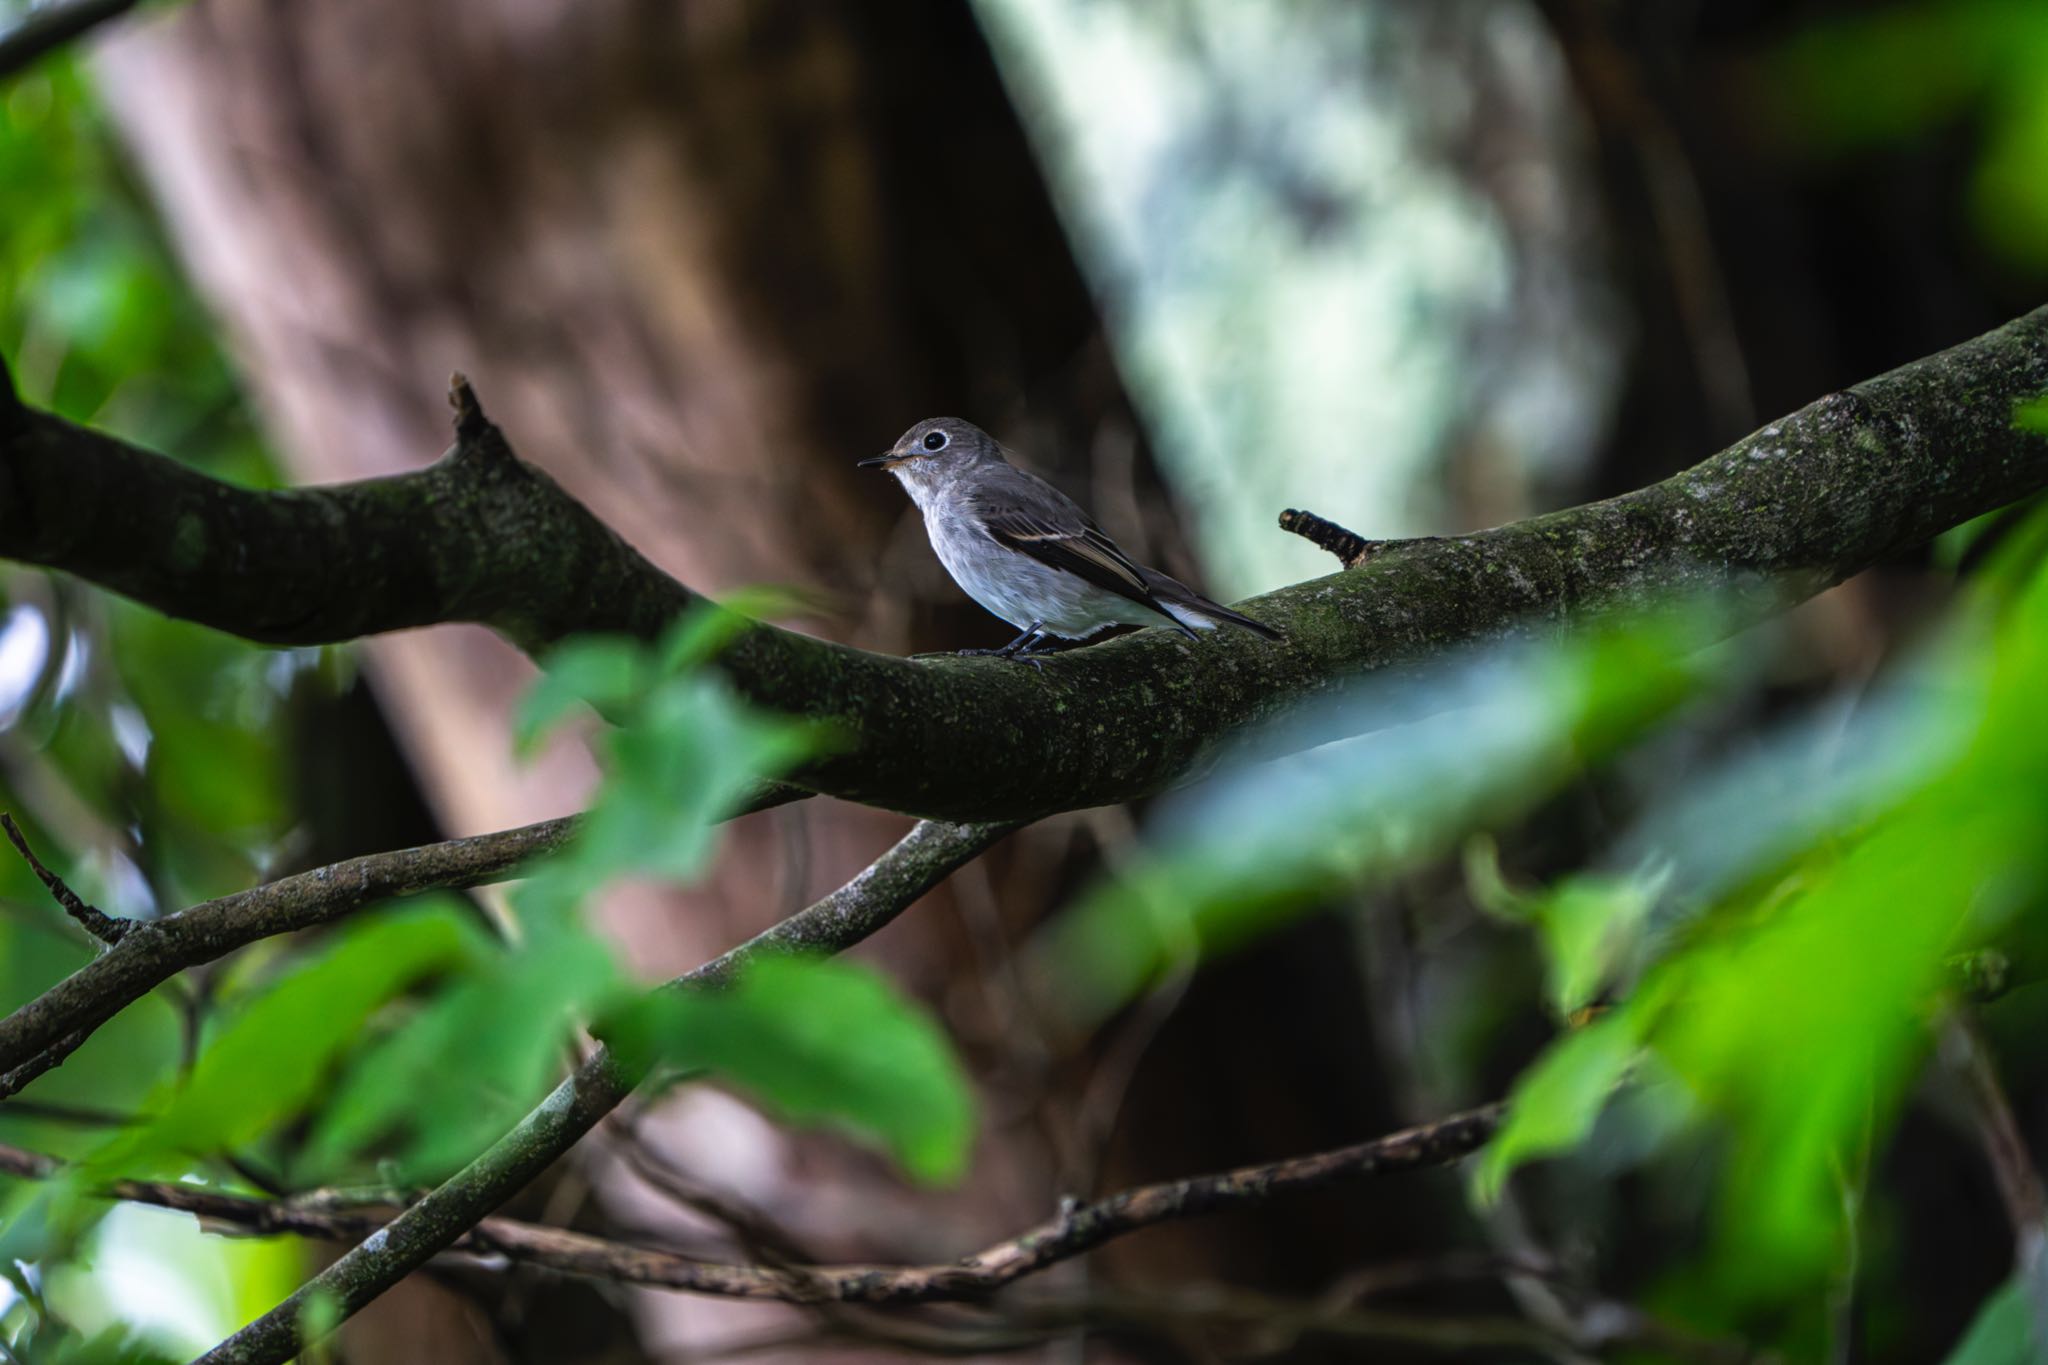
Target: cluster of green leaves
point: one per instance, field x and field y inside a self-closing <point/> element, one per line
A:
<point x="1500" y="729"/>
<point x="1788" y="1007"/>
<point x="391" y="1050"/>
<point x="814" y="1040"/>
<point x="1917" y="67"/>
<point x="404" y="1042"/>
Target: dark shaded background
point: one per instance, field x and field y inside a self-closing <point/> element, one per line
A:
<point x="700" y="257"/>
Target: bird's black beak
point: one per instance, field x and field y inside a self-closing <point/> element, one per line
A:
<point x="880" y="461"/>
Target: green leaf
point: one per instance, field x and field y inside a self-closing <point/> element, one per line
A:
<point x="45" y="1220"/>
<point x="691" y="751"/>
<point x="1488" y="887"/>
<point x="111" y="1346"/>
<point x="1588" y="924"/>
<point x="320" y="1316"/>
<point x="612" y="673"/>
<point x="2008" y="193"/>
<point x="821" y="1041"/>
<point x="2000" y="1334"/>
<point x="604" y="672"/>
<point x="1557" y="1100"/>
<point x="1904" y="71"/>
<point x="435" y="1091"/>
<point x="2032" y="415"/>
<point x="277" y="1050"/>
<point x="682" y="751"/>
<point x="703" y="633"/>
<point x="1797" y="1020"/>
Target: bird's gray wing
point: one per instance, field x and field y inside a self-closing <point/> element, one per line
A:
<point x="1026" y="514"/>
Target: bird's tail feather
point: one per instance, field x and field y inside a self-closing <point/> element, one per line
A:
<point x="1192" y="609"/>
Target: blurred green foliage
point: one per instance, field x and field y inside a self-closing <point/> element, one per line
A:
<point x="279" y="1046"/>
<point x="829" y="1041"/>
<point x="1501" y="728"/>
<point x="147" y="759"/>
<point x="400" y="1044"/>
<point x="428" y="1077"/>
<point x="1754" y="964"/>
<point x="1912" y="69"/>
<point x="147" y="725"/>
<point x="2000" y="1335"/>
<point x="815" y="1040"/>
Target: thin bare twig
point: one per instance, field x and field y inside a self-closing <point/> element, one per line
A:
<point x="79" y="1115"/>
<point x="44" y="1031"/>
<point x="1068" y="1234"/>
<point x="95" y="921"/>
<point x="752" y="1231"/>
<point x="50" y="1058"/>
<point x="147" y="953"/>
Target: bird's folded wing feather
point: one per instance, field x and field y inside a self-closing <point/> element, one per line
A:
<point x="1074" y="544"/>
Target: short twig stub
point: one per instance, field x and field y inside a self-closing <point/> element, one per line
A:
<point x="1351" y="548"/>
<point x="470" y="422"/>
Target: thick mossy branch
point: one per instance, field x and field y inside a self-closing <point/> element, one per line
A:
<point x="479" y="536"/>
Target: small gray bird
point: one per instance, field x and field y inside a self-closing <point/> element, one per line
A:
<point x="1022" y="549"/>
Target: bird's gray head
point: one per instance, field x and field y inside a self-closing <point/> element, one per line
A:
<point x="934" y="453"/>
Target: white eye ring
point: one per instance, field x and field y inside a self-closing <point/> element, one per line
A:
<point x="936" y="440"/>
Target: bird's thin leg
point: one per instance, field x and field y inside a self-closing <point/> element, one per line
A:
<point x="1022" y="642"/>
<point x="1034" y="637"/>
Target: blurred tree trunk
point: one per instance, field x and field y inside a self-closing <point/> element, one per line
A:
<point x="697" y="259"/>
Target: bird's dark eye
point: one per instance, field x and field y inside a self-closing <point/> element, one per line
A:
<point x="935" y="440"/>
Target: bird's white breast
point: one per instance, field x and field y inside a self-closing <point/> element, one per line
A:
<point x="1018" y="588"/>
